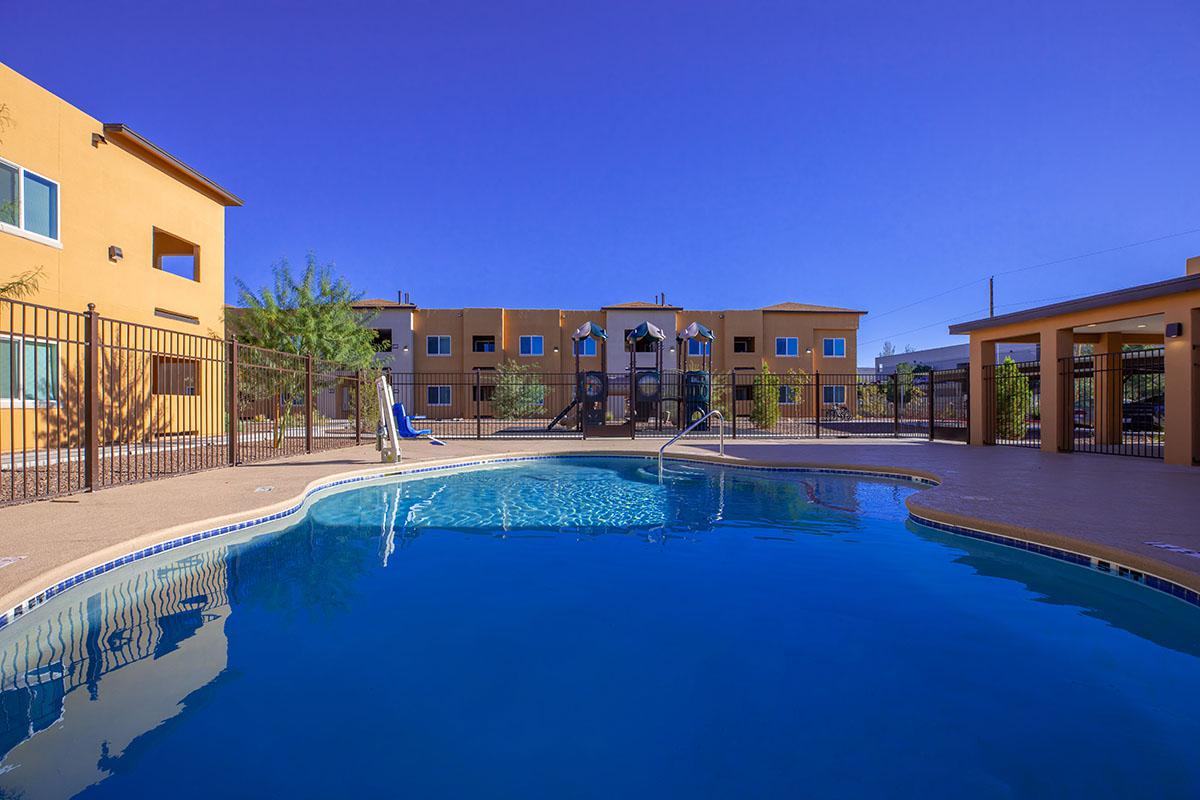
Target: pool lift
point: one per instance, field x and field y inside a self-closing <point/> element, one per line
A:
<point x="387" y="438"/>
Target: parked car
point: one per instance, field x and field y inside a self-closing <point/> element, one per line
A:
<point x="1143" y="415"/>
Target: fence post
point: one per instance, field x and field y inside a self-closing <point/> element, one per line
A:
<point x="308" y="397"/>
<point x="479" y="406"/>
<point x="91" y="407"/>
<point x="235" y="416"/>
<point x="817" y="401"/>
<point x="733" y="400"/>
<point x="358" y="378"/>
<point x="932" y="392"/>
<point x="896" y="405"/>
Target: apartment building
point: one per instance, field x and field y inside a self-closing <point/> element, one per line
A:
<point x="788" y="337"/>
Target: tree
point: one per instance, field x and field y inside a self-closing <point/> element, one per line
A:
<point x="764" y="411"/>
<point x="888" y="349"/>
<point x="1013" y="400"/>
<point x="22" y="285"/>
<point x="293" y="319"/>
<point x="519" y="391"/>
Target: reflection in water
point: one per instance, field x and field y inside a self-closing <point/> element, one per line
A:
<point x="94" y="681"/>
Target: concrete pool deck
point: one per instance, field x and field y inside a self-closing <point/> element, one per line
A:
<point x="1109" y="507"/>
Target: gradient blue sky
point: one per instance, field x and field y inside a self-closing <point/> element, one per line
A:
<point x="570" y="154"/>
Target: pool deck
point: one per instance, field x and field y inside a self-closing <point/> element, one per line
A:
<point x="1104" y="506"/>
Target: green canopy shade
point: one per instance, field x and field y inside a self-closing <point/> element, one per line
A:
<point x="696" y="331"/>
<point x="589" y="330"/>
<point x="647" y="330"/>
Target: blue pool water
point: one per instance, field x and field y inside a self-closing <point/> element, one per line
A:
<point x="571" y="628"/>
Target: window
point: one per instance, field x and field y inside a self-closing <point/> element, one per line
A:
<point x="787" y="346"/>
<point x="382" y="340"/>
<point x="176" y="256"/>
<point x="585" y="347"/>
<point x="743" y="344"/>
<point x="644" y="346"/>
<point x="697" y="347"/>
<point x="790" y="395"/>
<point x="833" y="395"/>
<point x="482" y="394"/>
<point x="174" y="375"/>
<point x="28" y="203"/>
<point x="437" y="395"/>
<point x="483" y="344"/>
<point x="835" y="348"/>
<point x="743" y="392"/>
<point x="531" y="345"/>
<point x="28" y="371"/>
<point x="437" y="345"/>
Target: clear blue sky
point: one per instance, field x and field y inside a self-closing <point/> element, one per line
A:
<point x="568" y="154"/>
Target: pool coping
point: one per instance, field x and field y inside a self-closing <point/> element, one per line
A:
<point x="1154" y="575"/>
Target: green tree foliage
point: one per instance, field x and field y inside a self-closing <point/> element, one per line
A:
<point x="22" y="285"/>
<point x="519" y="391"/>
<point x="1014" y="400"/>
<point x="873" y="400"/>
<point x="296" y="318"/>
<point x="764" y="411"/>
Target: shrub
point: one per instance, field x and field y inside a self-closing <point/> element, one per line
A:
<point x="764" y="411"/>
<point x="1013" y="400"/>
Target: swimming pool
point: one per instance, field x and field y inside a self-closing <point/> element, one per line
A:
<point x="570" y="627"/>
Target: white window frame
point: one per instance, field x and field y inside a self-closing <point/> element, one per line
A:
<point x="786" y="340"/>
<point x="589" y="344"/>
<point x="788" y="390"/>
<point x="439" y="386"/>
<point x="827" y="389"/>
<point x="19" y="228"/>
<point x="20" y="401"/>
<point x="438" y="337"/>
<point x="541" y="342"/>
<point x="834" y="339"/>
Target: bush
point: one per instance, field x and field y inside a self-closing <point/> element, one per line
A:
<point x="765" y="409"/>
<point x="1014" y="401"/>
<point x="519" y="392"/>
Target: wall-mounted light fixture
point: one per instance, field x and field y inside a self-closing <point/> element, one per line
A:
<point x="114" y="253"/>
<point x="1174" y="330"/>
<point x="556" y="348"/>
<point x="1141" y="324"/>
<point x="406" y="348"/>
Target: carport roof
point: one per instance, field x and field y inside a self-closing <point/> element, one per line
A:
<point x="1146" y="291"/>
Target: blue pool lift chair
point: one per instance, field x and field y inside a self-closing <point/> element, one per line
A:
<point x="405" y="429"/>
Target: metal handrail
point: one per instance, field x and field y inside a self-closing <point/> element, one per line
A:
<point x="685" y="431"/>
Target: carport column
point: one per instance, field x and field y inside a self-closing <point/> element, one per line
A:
<point x="1058" y="420"/>
<point x="983" y="354"/>
<point x="1181" y="380"/>
<point x="1106" y="367"/>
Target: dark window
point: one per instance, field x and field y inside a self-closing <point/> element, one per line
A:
<point x="644" y="346"/>
<point x="383" y="340"/>
<point x="743" y="344"/>
<point x="482" y="394"/>
<point x="483" y="344"/>
<point x="743" y="392"/>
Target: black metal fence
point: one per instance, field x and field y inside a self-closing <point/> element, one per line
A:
<point x="1115" y="402"/>
<point x="1012" y="403"/>
<point x="526" y="404"/>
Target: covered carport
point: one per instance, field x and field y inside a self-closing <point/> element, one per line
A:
<point x="1117" y="373"/>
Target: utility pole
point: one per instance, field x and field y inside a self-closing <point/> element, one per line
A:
<point x="991" y="296"/>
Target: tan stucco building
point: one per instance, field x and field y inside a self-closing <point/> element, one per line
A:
<point x="1092" y="344"/>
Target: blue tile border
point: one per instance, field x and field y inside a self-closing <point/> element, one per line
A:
<point x="67" y="583"/>
<point x="1079" y="559"/>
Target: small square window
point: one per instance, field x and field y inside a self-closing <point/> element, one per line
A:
<point x="743" y="344"/>
<point x="483" y="344"/>
<point x="437" y="345"/>
<point x="787" y="346"/>
<point x="438" y="395"/>
<point x="789" y="395"/>
<point x="531" y="345"/>
<point x="41" y="205"/>
<point x="585" y="347"/>
<point x="834" y="348"/>
<point x="743" y="392"/>
<point x="833" y="395"/>
<point x="382" y="340"/>
<point x="177" y="376"/>
<point x="176" y="256"/>
<point x="697" y="347"/>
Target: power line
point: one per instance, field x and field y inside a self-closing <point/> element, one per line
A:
<point x="1039" y="265"/>
<point x="969" y="314"/>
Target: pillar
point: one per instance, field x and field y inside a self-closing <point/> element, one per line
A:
<point x="1057" y="412"/>
<point x="983" y="354"/>
<point x="1108" y="388"/>
<point x="1181" y="381"/>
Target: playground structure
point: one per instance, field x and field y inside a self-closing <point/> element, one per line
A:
<point x="695" y="390"/>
